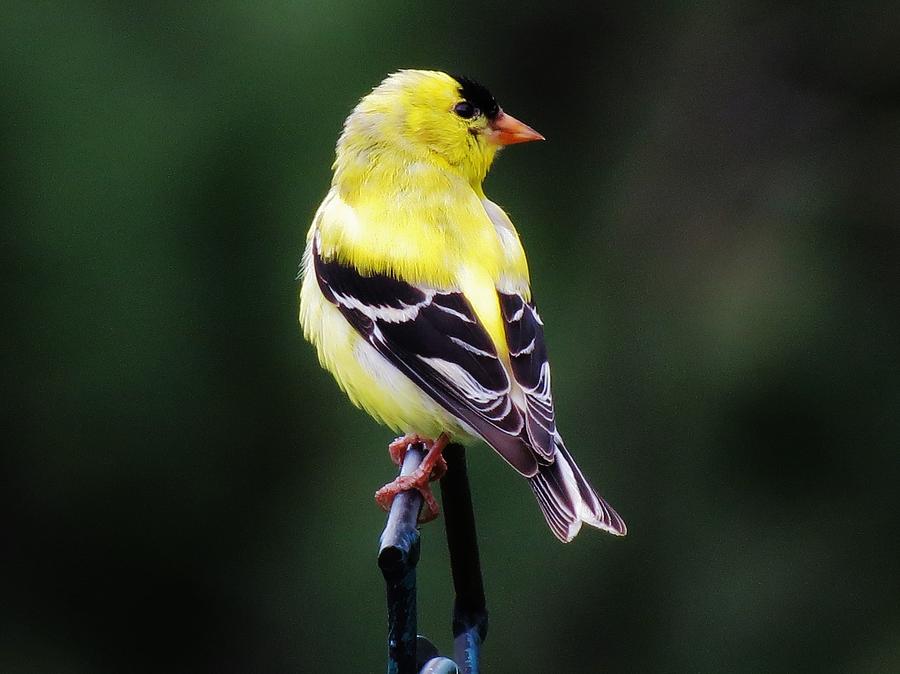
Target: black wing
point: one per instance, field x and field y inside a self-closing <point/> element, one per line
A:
<point x="564" y="495"/>
<point x="435" y="339"/>
<point x="531" y="370"/>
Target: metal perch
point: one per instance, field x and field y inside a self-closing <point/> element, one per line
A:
<point x="397" y="558"/>
<point x="399" y="555"/>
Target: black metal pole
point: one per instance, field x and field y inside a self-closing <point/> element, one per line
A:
<point x="470" y="618"/>
<point x="397" y="558"/>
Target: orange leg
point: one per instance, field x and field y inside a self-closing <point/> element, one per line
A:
<point x="432" y="467"/>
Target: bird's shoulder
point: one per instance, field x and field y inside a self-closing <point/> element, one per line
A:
<point x="429" y="239"/>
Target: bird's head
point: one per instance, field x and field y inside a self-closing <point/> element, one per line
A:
<point x="428" y="116"/>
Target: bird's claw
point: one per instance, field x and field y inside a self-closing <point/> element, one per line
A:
<point x="398" y="448"/>
<point x="417" y="480"/>
<point x="433" y="467"/>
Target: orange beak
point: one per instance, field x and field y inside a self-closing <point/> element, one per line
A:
<point x="507" y="130"/>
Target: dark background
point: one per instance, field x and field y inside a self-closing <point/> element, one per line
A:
<point x="714" y="239"/>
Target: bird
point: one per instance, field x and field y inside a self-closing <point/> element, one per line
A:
<point x="415" y="293"/>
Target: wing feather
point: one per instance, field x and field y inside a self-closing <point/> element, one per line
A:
<point x="435" y="338"/>
<point x="531" y="371"/>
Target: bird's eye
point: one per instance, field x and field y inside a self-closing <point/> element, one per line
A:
<point x="465" y="110"/>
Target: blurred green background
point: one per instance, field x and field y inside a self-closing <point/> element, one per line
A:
<point x="714" y="239"/>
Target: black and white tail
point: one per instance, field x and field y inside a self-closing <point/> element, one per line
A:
<point x="567" y="500"/>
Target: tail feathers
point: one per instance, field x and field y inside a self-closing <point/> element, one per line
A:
<point x="567" y="500"/>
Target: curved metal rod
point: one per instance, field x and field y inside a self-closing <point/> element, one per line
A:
<point x="397" y="558"/>
<point x="470" y="617"/>
<point x="399" y="554"/>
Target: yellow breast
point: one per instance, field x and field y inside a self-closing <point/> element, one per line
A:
<point x="427" y="229"/>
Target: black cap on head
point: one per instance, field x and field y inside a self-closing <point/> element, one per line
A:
<point x="478" y="96"/>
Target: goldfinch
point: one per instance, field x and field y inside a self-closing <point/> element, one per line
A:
<point x="415" y="292"/>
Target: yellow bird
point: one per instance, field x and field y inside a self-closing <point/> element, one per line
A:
<point x="416" y="294"/>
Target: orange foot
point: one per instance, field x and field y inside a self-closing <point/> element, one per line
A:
<point x="433" y="467"/>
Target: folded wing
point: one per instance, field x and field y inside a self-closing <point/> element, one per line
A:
<point x="564" y="495"/>
<point x="436" y="340"/>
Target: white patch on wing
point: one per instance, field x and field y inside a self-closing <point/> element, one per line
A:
<point x="409" y="312"/>
<point x="493" y="406"/>
<point x="536" y="401"/>
<point x="453" y="312"/>
<point x="501" y="400"/>
<point x="528" y="349"/>
<point x="503" y="413"/>
<point x="571" y="487"/>
<point x="542" y="389"/>
<point x="462" y="381"/>
<point x="471" y="349"/>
